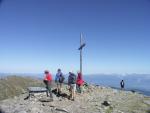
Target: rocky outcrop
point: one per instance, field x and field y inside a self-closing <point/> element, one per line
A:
<point x="95" y="99"/>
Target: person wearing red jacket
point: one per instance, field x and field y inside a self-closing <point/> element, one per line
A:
<point x="48" y="80"/>
<point x="79" y="82"/>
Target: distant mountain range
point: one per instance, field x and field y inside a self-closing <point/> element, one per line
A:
<point x="137" y="82"/>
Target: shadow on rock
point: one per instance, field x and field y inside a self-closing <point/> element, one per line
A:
<point x="26" y="98"/>
<point x="64" y="95"/>
<point x="1" y="111"/>
<point x="46" y="100"/>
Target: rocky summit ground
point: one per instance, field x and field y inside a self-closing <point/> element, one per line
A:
<point x="95" y="99"/>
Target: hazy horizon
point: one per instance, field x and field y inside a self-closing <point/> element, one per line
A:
<point x="84" y="74"/>
<point x="136" y="82"/>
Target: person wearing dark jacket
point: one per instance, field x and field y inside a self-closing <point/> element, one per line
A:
<point x="122" y="84"/>
<point x="72" y="85"/>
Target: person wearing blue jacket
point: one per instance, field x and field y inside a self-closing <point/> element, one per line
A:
<point x="59" y="79"/>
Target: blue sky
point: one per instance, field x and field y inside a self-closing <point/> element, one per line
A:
<point x="44" y="34"/>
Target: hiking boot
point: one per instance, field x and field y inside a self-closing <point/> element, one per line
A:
<point x="73" y="99"/>
<point x="69" y="97"/>
<point x="59" y="92"/>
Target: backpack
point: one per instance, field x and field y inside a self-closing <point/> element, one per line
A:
<point x="72" y="79"/>
<point x="122" y="83"/>
<point x="61" y="78"/>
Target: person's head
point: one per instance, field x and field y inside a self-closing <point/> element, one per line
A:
<point x="78" y="72"/>
<point x="59" y="70"/>
<point x="46" y="72"/>
<point x="70" y="72"/>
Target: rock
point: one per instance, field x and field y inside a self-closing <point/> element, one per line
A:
<point x="22" y="112"/>
<point x="106" y="103"/>
<point x="115" y="91"/>
<point x="43" y="104"/>
<point x="133" y="91"/>
<point x="95" y="100"/>
<point x="146" y="102"/>
<point x="36" y="110"/>
<point x="15" y="97"/>
<point x="61" y="110"/>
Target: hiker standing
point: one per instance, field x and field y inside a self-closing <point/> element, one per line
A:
<point x="59" y="79"/>
<point x="48" y="81"/>
<point x="72" y="85"/>
<point x="79" y="82"/>
<point x="122" y="84"/>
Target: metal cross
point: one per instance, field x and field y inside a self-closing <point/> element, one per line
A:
<point x="82" y="45"/>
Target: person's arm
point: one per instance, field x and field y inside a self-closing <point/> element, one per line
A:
<point x="68" y="80"/>
<point x="62" y="75"/>
<point x="56" y="78"/>
<point x="45" y="77"/>
<point x="76" y="78"/>
<point x="51" y="77"/>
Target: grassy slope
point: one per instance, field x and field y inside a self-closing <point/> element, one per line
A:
<point x="14" y="85"/>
